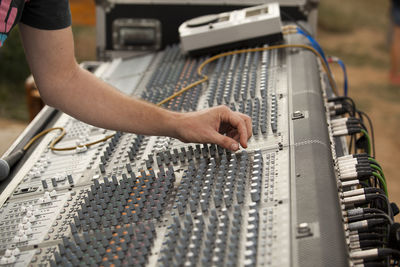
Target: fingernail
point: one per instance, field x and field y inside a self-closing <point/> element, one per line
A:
<point x="234" y="147"/>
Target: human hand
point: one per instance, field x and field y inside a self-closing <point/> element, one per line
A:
<point x="217" y="125"/>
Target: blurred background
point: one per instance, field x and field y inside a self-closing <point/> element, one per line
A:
<point x="356" y="31"/>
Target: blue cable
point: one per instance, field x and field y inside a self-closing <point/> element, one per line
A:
<point x="315" y="45"/>
<point x="343" y="66"/>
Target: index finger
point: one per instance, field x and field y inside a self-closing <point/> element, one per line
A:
<point x="249" y="125"/>
<point x="236" y="121"/>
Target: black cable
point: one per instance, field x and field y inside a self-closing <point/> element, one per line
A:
<point x="353" y="141"/>
<point x="364" y="184"/>
<point x="351" y="144"/>
<point x="372" y="197"/>
<point x="363" y="126"/>
<point x="374" y="190"/>
<point x="376" y="163"/>
<point x="386" y="251"/>
<point x="349" y="108"/>
<point x="352" y="104"/>
<point x="371" y="243"/>
<point x="371" y="128"/>
<point x="373" y="210"/>
<point x="370" y="216"/>
<point x="369" y="236"/>
<point x="348" y="102"/>
<point x="386" y="200"/>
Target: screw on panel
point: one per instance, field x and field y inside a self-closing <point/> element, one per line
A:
<point x="297" y="115"/>
<point x="303" y="230"/>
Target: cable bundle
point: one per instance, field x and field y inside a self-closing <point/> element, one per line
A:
<point x="372" y="235"/>
<point x="352" y="125"/>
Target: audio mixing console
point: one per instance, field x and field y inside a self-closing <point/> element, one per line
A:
<point x="137" y="200"/>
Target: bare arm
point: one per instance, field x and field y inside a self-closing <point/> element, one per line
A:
<point x="64" y="85"/>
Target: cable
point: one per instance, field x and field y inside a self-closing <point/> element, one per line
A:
<point x="366" y="224"/>
<point x="373" y="210"/>
<point x="371" y="159"/>
<point x="295" y="22"/>
<point x="36" y="137"/>
<point x="381" y="180"/>
<point x="8" y="162"/>
<point x="366" y="216"/>
<point x="373" y="253"/>
<point x="345" y="98"/>
<point x="368" y="139"/>
<point x="348" y="102"/>
<point x="315" y="45"/>
<point x="384" y="215"/>
<point x="362" y="125"/>
<point x="194" y="84"/>
<point x="378" y="169"/>
<point x="58" y="139"/>
<point x="337" y="60"/>
<point x="211" y="59"/>
<point x="386" y="200"/>
<point x="361" y="113"/>
<point x="379" y="211"/>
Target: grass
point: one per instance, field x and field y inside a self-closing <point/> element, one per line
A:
<point x="85" y="42"/>
<point x="358" y="58"/>
<point x="333" y="18"/>
<point x="356" y="31"/>
<point x="364" y="105"/>
<point x="343" y="16"/>
<point x="13" y="72"/>
<point x="386" y="92"/>
<point x="13" y="102"/>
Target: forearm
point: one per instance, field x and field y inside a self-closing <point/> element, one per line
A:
<point x="64" y="85"/>
<point x="97" y="103"/>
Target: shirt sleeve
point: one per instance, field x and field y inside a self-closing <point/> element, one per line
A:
<point x="47" y="14"/>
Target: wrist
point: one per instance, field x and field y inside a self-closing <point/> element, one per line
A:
<point x="173" y="123"/>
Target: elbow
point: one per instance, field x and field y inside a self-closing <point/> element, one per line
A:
<point x="48" y="95"/>
<point x="53" y="88"/>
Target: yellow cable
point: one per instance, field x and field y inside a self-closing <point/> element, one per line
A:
<point x="58" y="139"/>
<point x="211" y="59"/>
<point x="36" y="137"/>
<point x="287" y="30"/>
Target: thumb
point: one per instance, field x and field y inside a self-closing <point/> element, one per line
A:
<point x="225" y="141"/>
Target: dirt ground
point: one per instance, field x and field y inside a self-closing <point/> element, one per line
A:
<point x="10" y="130"/>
